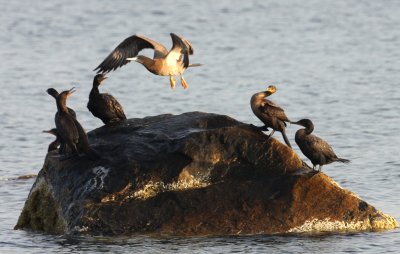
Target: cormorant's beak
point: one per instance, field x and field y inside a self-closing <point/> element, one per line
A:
<point x="49" y="131"/>
<point x="71" y="91"/>
<point x="103" y="78"/>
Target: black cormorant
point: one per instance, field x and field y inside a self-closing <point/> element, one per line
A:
<point x="164" y="62"/>
<point x="70" y="130"/>
<point x="65" y="123"/>
<point x="103" y="105"/>
<point x="269" y="113"/>
<point x="314" y="148"/>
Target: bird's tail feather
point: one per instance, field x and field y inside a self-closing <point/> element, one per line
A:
<point x="343" y="160"/>
<point x="286" y="139"/>
<point x="195" y="65"/>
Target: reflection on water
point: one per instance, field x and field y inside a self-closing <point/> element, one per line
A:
<point x="336" y="63"/>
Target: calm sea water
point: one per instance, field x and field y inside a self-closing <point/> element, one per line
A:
<point x="335" y="62"/>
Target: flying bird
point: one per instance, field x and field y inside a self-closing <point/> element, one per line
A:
<point x="164" y="63"/>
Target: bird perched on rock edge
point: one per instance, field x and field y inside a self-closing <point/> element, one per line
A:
<point x="103" y="105"/>
<point x="314" y="148"/>
<point x="269" y="113"/>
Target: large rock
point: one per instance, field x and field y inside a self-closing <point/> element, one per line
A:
<point x="191" y="174"/>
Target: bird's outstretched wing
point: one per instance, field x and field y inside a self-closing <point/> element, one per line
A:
<point x="182" y="42"/>
<point x="273" y="110"/>
<point x="130" y="47"/>
<point x="181" y="46"/>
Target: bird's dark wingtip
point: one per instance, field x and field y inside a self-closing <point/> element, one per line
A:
<point x="98" y="69"/>
<point x="343" y="160"/>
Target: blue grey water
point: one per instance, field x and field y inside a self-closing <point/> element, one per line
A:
<point x="335" y="62"/>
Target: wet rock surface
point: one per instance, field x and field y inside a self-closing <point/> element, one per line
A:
<point x="190" y="174"/>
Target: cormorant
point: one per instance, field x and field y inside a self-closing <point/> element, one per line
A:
<point x="54" y="93"/>
<point x="65" y="123"/>
<point x="103" y="105"/>
<point x="70" y="130"/>
<point x="53" y="145"/>
<point x="269" y="113"/>
<point x="314" y="148"/>
<point x="164" y="62"/>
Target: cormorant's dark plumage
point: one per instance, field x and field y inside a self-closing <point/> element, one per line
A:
<point x="70" y="130"/>
<point x="103" y="105"/>
<point x="65" y="123"/>
<point x="314" y="148"/>
<point x="269" y="113"/>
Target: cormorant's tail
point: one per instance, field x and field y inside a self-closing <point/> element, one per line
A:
<point x="286" y="139"/>
<point x="342" y="160"/>
<point x="195" y="65"/>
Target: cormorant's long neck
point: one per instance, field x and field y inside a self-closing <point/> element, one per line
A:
<point x="258" y="98"/>
<point x="62" y="104"/>
<point x="309" y="129"/>
<point x="146" y="62"/>
<point x="256" y="101"/>
<point x="95" y="88"/>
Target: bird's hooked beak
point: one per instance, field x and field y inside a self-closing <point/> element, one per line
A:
<point x="49" y="131"/>
<point x="71" y="91"/>
<point x="103" y="78"/>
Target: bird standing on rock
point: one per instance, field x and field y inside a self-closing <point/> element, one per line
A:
<point x="164" y="62"/>
<point x="269" y="113"/>
<point x="103" y="105"/>
<point x="70" y="131"/>
<point x="65" y="123"/>
<point x="314" y="148"/>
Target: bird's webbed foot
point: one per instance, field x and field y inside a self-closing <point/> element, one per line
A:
<point x="172" y="81"/>
<point x="183" y="82"/>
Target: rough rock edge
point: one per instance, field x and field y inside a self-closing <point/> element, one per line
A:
<point x="384" y="221"/>
<point x="40" y="190"/>
<point x="381" y="222"/>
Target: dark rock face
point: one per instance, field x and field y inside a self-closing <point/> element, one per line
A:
<point x="190" y="174"/>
